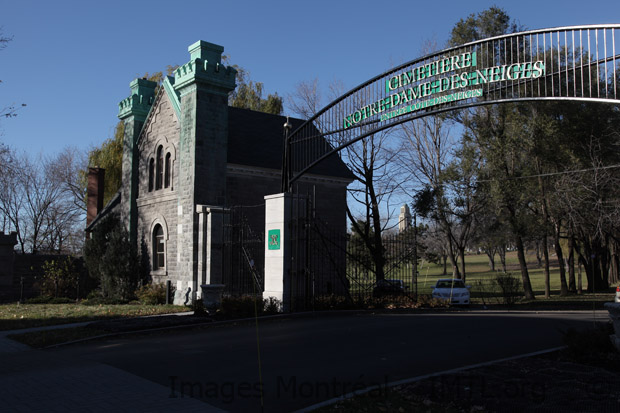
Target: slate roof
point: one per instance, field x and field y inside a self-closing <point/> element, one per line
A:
<point x="256" y="139"/>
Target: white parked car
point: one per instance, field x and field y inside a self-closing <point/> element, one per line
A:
<point x="617" y="297"/>
<point x="452" y="290"/>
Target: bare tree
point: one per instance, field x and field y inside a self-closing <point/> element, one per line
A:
<point x="10" y="110"/>
<point x="424" y="155"/>
<point x="38" y="202"/>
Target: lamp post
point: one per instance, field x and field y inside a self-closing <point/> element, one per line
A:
<point x="286" y="157"/>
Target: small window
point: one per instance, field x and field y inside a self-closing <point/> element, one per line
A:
<point x="160" y="168"/>
<point x="167" y="171"/>
<point x="159" y="248"/>
<point x="151" y="173"/>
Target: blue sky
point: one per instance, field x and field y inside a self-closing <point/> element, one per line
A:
<point x="71" y="61"/>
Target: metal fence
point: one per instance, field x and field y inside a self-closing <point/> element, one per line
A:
<point x="243" y="251"/>
<point x="332" y="268"/>
<point x="329" y="267"/>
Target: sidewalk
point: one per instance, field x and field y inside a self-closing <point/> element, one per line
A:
<point x="10" y="346"/>
<point x="36" y="381"/>
<point x="39" y="381"/>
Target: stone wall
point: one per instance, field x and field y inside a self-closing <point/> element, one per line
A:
<point x="7" y="257"/>
<point x="159" y="206"/>
<point x="28" y="273"/>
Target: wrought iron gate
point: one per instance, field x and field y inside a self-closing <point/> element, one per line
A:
<point x="244" y="250"/>
<point x="331" y="268"/>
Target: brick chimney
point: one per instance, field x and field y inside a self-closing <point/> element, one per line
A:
<point x="94" y="193"/>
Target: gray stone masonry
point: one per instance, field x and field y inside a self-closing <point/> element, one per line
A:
<point x="133" y="111"/>
<point x="159" y="205"/>
<point x="204" y="85"/>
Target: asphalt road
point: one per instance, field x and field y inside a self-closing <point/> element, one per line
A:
<point x="307" y="360"/>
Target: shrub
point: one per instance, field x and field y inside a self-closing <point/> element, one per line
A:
<point x="333" y="302"/>
<point x="104" y="301"/>
<point x="113" y="259"/>
<point x="60" y="278"/>
<point x="198" y="308"/>
<point x="154" y="294"/>
<point x="242" y="306"/>
<point x="509" y="287"/>
<point x="391" y="302"/>
<point x="272" y="305"/>
<point x="44" y="299"/>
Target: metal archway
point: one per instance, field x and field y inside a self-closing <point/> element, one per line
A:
<point x="577" y="63"/>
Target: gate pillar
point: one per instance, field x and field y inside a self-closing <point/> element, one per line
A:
<point x="210" y="246"/>
<point x="278" y="248"/>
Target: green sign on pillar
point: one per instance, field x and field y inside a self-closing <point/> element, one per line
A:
<point x="273" y="239"/>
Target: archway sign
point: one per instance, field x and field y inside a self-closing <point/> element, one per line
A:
<point x="578" y="63"/>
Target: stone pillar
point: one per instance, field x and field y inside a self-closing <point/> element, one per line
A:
<point x="133" y="111"/>
<point x="278" y="248"/>
<point x="203" y="85"/>
<point x="211" y="221"/>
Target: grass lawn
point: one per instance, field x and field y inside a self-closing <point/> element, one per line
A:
<point x="481" y="279"/>
<point x="17" y="316"/>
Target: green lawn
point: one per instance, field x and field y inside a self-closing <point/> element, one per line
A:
<point x="485" y="291"/>
<point x="17" y="316"/>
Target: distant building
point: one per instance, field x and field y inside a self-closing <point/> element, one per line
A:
<point x="404" y="219"/>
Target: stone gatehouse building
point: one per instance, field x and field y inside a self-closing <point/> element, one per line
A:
<point x="188" y="157"/>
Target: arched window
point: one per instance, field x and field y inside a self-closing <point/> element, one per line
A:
<point x="159" y="248"/>
<point x="160" y="168"/>
<point x="167" y="171"/>
<point x="151" y="173"/>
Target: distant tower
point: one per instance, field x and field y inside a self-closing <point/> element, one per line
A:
<point x="404" y="218"/>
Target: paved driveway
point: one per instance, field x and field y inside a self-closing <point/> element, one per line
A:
<point x="306" y="360"/>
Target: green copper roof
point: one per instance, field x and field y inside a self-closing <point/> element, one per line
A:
<point x="172" y="95"/>
<point x="139" y="102"/>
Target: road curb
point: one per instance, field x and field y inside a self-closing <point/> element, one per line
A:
<point x="308" y="314"/>
<point x="205" y="324"/>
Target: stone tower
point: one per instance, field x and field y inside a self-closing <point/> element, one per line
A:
<point x="404" y="218"/>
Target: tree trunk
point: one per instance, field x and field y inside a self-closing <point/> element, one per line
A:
<point x="545" y="249"/>
<point x="491" y="254"/>
<point x="502" y="257"/>
<point x="571" y="264"/>
<point x="604" y="268"/>
<point x="462" y="254"/>
<point x="560" y="256"/>
<point x="613" y="267"/>
<point x="579" y="283"/>
<point x="538" y="256"/>
<point x="454" y="261"/>
<point x="525" y="276"/>
<point x="445" y="264"/>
